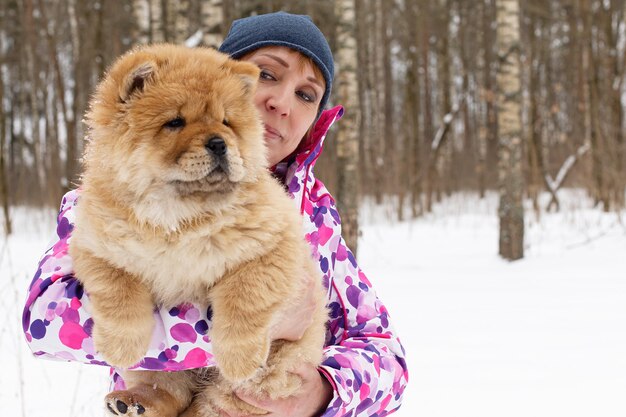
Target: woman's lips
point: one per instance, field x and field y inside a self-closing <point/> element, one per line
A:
<point x="271" y="133"/>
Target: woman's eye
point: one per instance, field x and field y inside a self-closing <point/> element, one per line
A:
<point x="306" y="97"/>
<point x="175" y="123"/>
<point x="266" y="76"/>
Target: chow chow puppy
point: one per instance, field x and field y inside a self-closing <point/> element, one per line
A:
<point x="177" y="205"/>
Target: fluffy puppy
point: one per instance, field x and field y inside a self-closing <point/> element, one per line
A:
<point x="177" y="205"/>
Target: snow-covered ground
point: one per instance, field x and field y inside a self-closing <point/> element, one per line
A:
<point x="544" y="336"/>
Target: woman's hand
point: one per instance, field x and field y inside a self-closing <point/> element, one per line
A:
<point x="310" y="401"/>
<point x="294" y="320"/>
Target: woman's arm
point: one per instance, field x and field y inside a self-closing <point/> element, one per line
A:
<point x="363" y="372"/>
<point x="57" y="321"/>
<point x="364" y="359"/>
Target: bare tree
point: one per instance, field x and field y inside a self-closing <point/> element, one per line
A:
<point x="612" y="13"/>
<point x="212" y="21"/>
<point x="388" y="149"/>
<point x="141" y="14"/>
<point x="4" y="188"/>
<point x="376" y="86"/>
<point x="366" y="94"/>
<point x="182" y="20"/>
<point x="487" y="171"/>
<point x="428" y="116"/>
<point x="347" y="137"/>
<point x="432" y="183"/>
<point x="536" y="164"/>
<point x="412" y="143"/>
<point x="465" y="157"/>
<point x="33" y="67"/>
<point x="369" y="62"/>
<point x="510" y="210"/>
<point x="157" y="21"/>
<point x="69" y="116"/>
<point x="593" y="81"/>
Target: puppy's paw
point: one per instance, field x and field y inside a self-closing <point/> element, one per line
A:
<point x="127" y="403"/>
<point x="241" y="361"/>
<point x="144" y="401"/>
<point x="122" y="348"/>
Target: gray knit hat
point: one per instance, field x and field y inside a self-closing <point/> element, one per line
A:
<point x="294" y="31"/>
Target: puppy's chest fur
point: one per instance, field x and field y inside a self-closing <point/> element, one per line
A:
<point x="178" y="266"/>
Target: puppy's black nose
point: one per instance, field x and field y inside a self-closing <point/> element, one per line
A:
<point x="216" y="145"/>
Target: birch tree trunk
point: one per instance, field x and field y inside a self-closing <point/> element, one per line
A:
<point x="535" y="145"/>
<point x="374" y="115"/>
<point x="182" y="24"/>
<point x="73" y="149"/>
<point x="53" y="151"/>
<point x="32" y="64"/>
<point x="613" y="13"/>
<point x="489" y="131"/>
<point x="429" y="130"/>
<point x="141" y="12"/>
<point x="433" y="180"/>
<point x="621" y="139"/>
<point x="510" y="210"/>
<point x="377" y="86"/>
<point x="465" y="161"/>
<point x="591" y="69"/>
<point x="347" y="139"/>
<point x="413" y="110"/>
<point x="156" y="18"/>
<point x="4" y="188"/>
<point x="388" y="149"/>
<point x="212" y="20"/>
<point x="364" y="56"/>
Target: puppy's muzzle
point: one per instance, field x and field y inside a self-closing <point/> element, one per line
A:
<point x="216" y="146"/>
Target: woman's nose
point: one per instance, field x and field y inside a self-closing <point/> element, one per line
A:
<point x="279" y="103"/>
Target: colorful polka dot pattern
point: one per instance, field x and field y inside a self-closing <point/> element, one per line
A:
<point x="364" y="359"/>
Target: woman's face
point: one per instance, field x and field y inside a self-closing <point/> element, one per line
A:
<point x="288" y="96"/>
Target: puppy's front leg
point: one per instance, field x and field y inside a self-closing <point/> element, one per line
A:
<point x="122" y="309"/>
<point x="244" y="303"/>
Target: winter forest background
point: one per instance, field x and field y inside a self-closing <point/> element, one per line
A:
<point x="475" y="131"/>
<point x="426" y="85"/>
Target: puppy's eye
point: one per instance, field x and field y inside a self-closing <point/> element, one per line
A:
<point x="176" y="123"/>
<point x="225" y="122"/>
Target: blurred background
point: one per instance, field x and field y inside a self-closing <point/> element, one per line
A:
<point x="421" y="122"/>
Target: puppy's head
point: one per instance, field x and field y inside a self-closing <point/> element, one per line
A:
<point x="174" y="128"/>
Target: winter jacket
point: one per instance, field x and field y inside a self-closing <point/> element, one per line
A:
<point x="363" y="357"/>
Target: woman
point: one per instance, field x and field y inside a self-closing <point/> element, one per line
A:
<point x="363" y="372"/>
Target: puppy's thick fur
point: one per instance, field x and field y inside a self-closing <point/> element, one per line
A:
<point x="177" y="205"/>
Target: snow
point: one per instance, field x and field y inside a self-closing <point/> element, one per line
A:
<point x="544" y="336"/>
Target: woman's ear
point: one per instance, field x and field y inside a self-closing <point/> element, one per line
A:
<point x="248" y="72"/>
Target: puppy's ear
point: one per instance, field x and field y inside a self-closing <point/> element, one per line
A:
<point x="249" y="74"/>
<point x="136" y="80"/>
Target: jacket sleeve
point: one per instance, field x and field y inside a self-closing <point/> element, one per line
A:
<point x="57" y="321"/>
<point x="363" y="359"/>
